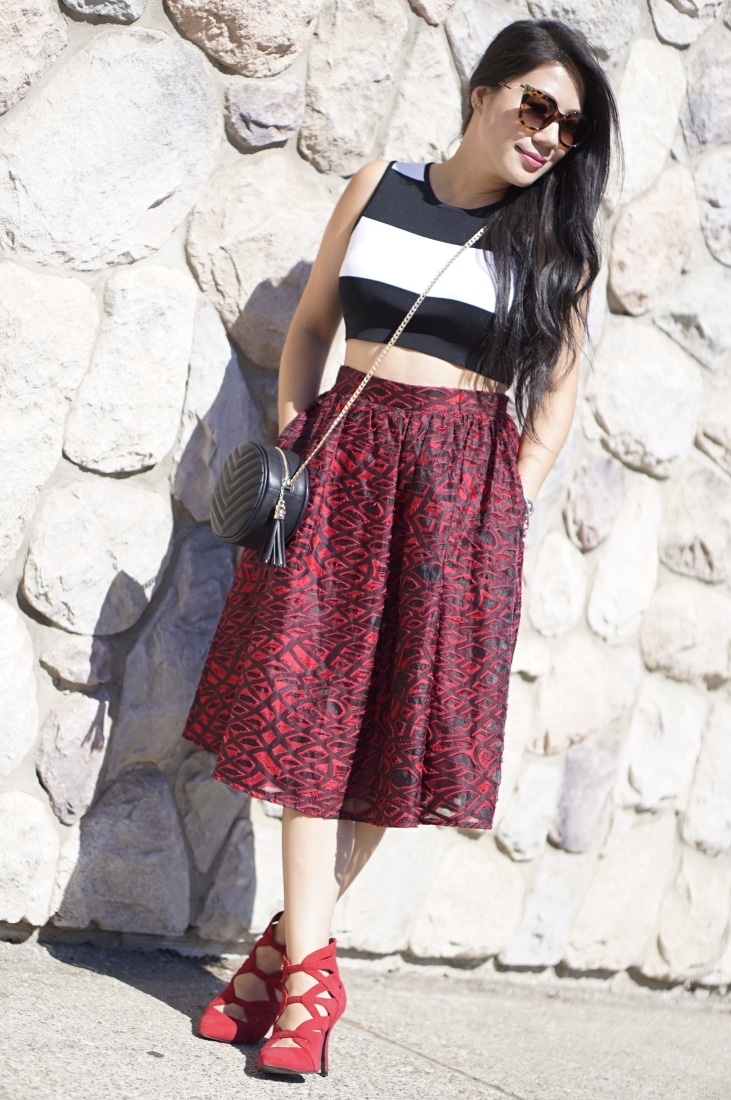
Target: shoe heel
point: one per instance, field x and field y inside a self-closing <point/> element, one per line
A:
<point x="325" y="1064"/>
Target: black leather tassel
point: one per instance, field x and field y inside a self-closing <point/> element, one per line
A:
<point x="272" y="552"/>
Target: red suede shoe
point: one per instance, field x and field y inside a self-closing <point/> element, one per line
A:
<point x="260" y="1015"/>
<point x="312" y="1036"/>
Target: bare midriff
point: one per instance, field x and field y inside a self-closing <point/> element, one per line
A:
<point x="416" y="369"/>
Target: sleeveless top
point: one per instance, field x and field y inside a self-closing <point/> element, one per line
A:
<point x="400" y="240"/>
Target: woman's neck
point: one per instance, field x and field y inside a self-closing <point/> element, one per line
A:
<point x="457" y="182"/>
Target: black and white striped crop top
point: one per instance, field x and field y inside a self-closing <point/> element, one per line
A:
<point x="401" y="239"/>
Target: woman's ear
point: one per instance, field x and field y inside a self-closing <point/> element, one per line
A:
<point x="477" y="98"/>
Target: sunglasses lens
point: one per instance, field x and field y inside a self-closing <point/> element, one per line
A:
<point x="573" y="130"/>
<point x="536" y="111"/>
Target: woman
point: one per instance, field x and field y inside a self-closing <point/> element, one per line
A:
<point x="366" y="686"/>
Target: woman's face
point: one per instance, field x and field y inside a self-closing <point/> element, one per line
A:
<point x="507" y="149"/>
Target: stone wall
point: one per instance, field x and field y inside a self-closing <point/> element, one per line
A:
<point x="164" y="177"/>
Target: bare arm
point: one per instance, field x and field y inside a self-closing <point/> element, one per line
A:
<point x="318" y="314"/>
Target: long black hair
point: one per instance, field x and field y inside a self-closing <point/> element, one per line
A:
<point x="543" y="237"/>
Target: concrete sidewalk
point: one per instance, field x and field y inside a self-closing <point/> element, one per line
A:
<point x="86" y="1023"/>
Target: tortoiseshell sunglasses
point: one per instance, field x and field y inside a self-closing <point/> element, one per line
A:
<point x="538" y="110"/>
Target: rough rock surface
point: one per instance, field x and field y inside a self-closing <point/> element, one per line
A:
<point x="120" y="533"/>
<point x="558" y="586"/>
<point x="219" y="412"/>
<point x="646" y="397"/>
<point x="126" y="412"/>
<point x="694" y="916"/>
<point x="207" y="807"/>
<point x="518" y="729"/>
<point x="687" y="633"/>
<point x="714" y="425"/>
<point x="77" y="661"/>
<point x="523" y="829"/>
<point x="164" y="665"/>
<point x="19" y="713"/>
<point x="472" y="24"/>
<point x="342" y="117"/>
<point x="74" y="739"/>
<point x="609" y="27"/>
<point x="694" y="312"/>
<point x="696" y="531"/>
<point x="263" y="113"/>
<point x="427" y="117"/>
<point x="132" y="870"/>
<point x="584" y="801"/>
<point x="653" y="77"/>
<point x="47" y="332"/>
<point x="654" y="240"/>
<point x="251" y="266"/>
<point x="229" y="903"/>
<point x="110" y="195"/>
<point x="256" y="38"/>
<point x="116" y="11"/>
<point x="434" y="11"/>
<point x="551" y="902"/>
<point x="707" y="118"/>
<point x="664" y="741"/>
<point x="593" y="501"/>
<point x="626" y="574"/>
<point x="588" y="688"/>
<point x="28" y="857"/>
<point x="713" y="185"/>
<point x="707" y="822"/>
<point x="681" y="22"/>
<point x="33" y="35"/>
<point x="448" y="929"/>
<point x="609" y="934"/>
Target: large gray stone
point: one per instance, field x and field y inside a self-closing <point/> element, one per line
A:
<point x="707" y="118"/>
<point x="707" y="822"/>
<point x="593" y="501"/>
<point x="589" y="687"/>
<point x="473" y="906"/>
<point x="609" y="27"/>
<point x="714" y="425"/>
<point x="97" y="549"/>
<point x="557" y="588"/>
<point x="696" y="531"/>
<point x="263" y="113"/>
<point x="618" y="915"/>
<point x="663" y="742"/>
<point x="254" y="37"/>
<point x="109" y="156"/>
<point x="693" y="918"/>
<point x="343" y="115"/>
<point x="126" y="412"/>
<point x="653" y="240"/>
<point x="208" y="808"/>
<point x="74" y="739"/>
<point x="472" y="24"/>
<point x="524" y="827"/>
<point x="132" y="870"/>
<point x="47" y="332"/>
<point x="427" y="118"/>
<point x="646" y="397"/>
<point x="695" y="313"/>
<point x="19" y="712"/>
<point x="77" y="660"/>
<point x="686" y="633"/>
<point x="681" y="22"/>
<point x="654" y="77"/>
<point x="626" y="573"/>
<point x="28" y="857"/>
<point x="552" y="900"/>
<point x="519" y="727"/>
<point x="713" y="184"/>
<point x="229" y="902"/>
<point x="251" y="243"/>
<point x="163" y="667"/>
<point x="219" y="412"/>
<point x="434" y="11"/>
<point x="33" y="35"/>
<point x="116" y="11"/>
<point x="585" y="798"/>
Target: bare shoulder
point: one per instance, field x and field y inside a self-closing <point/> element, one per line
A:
<point x="361" y="187"/>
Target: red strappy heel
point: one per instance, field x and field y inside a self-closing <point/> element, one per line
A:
<point x="312" y="1036"/>
<point x="260" y="1015"/>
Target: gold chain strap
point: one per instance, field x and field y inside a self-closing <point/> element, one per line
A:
<point x="381" y="356"/>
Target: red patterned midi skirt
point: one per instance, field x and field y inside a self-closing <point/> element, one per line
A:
<point x="368" y="680"/>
